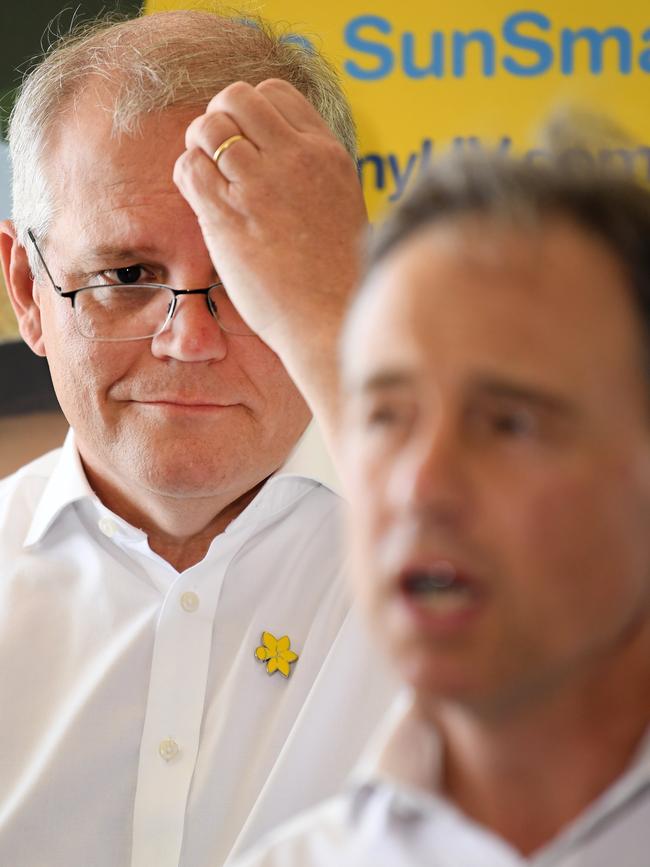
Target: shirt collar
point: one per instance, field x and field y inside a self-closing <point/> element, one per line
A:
<point x="308" y="466"/>
<point x="66" y="485"/>
<point x="310" y="460"/>
<point x="405" y="750"/>
<point x="405" y="755"/>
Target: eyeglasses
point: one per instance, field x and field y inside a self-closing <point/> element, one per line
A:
<point x="137" y="311"/>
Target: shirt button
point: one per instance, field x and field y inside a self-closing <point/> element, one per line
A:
<point x="168" y="748"/>
<point x="107" y="527"/>
<point x="189" y="601"/>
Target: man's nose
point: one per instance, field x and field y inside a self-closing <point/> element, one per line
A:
<point x="432" y="477"/>
<point x="193" y="334"/>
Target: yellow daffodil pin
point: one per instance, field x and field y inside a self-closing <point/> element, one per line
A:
<point x="276" y="653"/>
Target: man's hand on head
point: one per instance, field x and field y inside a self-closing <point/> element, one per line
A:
<point x="282" y="215"/>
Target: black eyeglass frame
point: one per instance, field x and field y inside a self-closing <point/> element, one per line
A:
<point x="72" y="293"/>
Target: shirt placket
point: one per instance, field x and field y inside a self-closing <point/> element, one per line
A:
<point x="175" y="706"/>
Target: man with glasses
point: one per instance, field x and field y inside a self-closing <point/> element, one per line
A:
<point x="130" y="310"/>
<point x="180" y="670"/>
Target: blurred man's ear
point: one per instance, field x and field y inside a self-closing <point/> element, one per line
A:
<point x="20" y="286"/>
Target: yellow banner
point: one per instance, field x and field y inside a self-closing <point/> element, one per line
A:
<point x="425" y="77"/>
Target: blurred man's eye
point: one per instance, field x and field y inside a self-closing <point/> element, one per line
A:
<point x="514" y="423"/>
<point x="381" y="416"/>
<point x="388" y="417"/>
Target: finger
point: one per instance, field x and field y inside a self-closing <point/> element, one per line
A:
<point x="209" y="131"/>
<point x="203" y="187"/>
<point x="294" y="107"/>
<point x="257" y="118"/>
<point x="238" y="162"/>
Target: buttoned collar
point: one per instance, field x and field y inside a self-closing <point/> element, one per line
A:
<point x="308" y="462"/>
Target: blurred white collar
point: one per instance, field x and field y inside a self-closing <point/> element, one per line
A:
<point x="311" y="460"/>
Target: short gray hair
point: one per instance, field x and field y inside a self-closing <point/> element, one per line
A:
<point x="152" y="63"/>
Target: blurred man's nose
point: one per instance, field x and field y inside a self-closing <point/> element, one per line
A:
<point x="431" y="476"/>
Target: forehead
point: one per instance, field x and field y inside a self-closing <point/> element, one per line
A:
<point x="104" y="183"/>
<point x="472" y="294"/>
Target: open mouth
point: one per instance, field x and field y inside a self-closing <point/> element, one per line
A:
<point x="439" y="586"/>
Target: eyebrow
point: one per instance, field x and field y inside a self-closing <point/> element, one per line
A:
<point x="483" y="385"/>
<point x="384" y="380"/>
<point x="496" y="387"/>
<point x="82" y="264"/>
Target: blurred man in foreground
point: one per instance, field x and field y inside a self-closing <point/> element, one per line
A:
<point x="497" y="445"/>
<point x="180" y="669"/>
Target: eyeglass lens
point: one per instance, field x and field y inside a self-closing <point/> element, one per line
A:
<point x="135" y="311"/>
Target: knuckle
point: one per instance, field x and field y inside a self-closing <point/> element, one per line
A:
<point x="230" y="95"/>
<point x="178" y="172"/>
<point x="193" y="131"/>
<point x="270" y="85"/>
<point x="214" y="103"/>
<point x="185" y="166"/>
<point x="276" y="84"/>
<point x="236" y="91"/>
<point x="217" y="124"/>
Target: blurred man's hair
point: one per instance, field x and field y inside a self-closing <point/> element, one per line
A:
<point x="149" y="64"/>
<point x="612" y="207"/>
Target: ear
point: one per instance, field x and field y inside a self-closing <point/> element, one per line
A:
<point x="20" y="287"/>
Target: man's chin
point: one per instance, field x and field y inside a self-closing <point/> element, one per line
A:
<point x="196" y="482"/>
<point x="192" y="463"/>
<point x="179" y="470"/>
<point x="445" y="677"/>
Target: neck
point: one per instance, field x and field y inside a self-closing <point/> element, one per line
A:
<point x="179" y="529"/>
<point x="526" y="775"/>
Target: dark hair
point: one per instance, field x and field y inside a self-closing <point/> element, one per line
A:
<point x="612" y="207"/>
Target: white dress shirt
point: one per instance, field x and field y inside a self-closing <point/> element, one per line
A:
<point x="391" y="816"/>
<point x="137" y="726"/>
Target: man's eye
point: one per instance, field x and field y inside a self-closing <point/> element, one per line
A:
<point x="516" y="423"/>
<point x="388" y="416"/>
<point x="381" y="417"/>
<point x="127" y="275"/>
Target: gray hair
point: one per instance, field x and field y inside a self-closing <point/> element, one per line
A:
<point x="150" y="64"/>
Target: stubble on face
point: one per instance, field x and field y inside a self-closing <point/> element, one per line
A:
<point x="200" y="416"/>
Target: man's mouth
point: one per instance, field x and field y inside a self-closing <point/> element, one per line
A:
<point x="181" y="402"/>
<point x="439" y="586"/>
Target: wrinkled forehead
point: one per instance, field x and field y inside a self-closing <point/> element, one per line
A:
<point x="96" y="176"/>
<point x="85" y="133"/>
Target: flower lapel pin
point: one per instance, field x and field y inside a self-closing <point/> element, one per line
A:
<point x="276" y="653"/>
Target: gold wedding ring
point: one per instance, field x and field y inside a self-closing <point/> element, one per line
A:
<point x="223" y="147"/>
